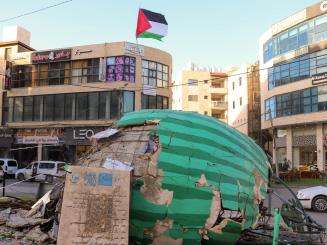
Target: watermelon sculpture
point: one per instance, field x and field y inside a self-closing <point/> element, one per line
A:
<point x="195" y="179"/>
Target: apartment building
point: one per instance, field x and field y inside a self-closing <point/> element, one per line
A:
<point x="57" y="99"/>
<point x="203" y="91"/>
<point x="293" y="84"/>
<point x="244" y="100"/>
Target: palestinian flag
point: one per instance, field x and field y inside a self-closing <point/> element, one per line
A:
<point x="151" y="25"/>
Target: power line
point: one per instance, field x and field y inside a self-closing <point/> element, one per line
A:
<point x="35" y="11"/>
<point x="223" y="77"/>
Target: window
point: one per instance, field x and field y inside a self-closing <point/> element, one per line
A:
<point x="291" y="71"/>
<point x="114" y="104"/>
<point x="48" y="107"/>
<point x="18" y="109"/>
<point x="28" y="108"/>
<point x="297" y="102"/>
<point x="154" y="74"/>
<point x="69" y="106"/>
<point x="192" y="82"/>
<point x="128" y="101"/>
<point x="56" y="73"/>
<point x="10" y="109"/>
<point x="192" y="98"/>
<point x="8" y="53"/>
<point x="37" y="108"/>
<point x="154" y="102"/>
<point x="233" y="85"/>
<point x="59" y="109"/>
<point x="81" y="106"/>
<point x="12" y="163"/>
<point x="78" y="106"/>
<point x="21" y="76"/>
<point x="121" y="68"/>
<point x="309" y="32"/>
<point x="206" y="97"/>
<point x="104" y="110"/>
<point x="93" y="103"/>
<point x="240" y="101"/>
<point x="240" y="81"/>
<point x="233" y="104"/>
<point x="46" y="165"/>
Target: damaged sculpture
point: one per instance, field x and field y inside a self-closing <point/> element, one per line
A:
<point x="194" y="180"/>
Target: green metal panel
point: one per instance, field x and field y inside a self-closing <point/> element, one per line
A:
<point x="192" y="145"/>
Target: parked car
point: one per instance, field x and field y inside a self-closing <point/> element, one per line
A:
<point x="42" y="170"/>
<point x="9" y="166"/>
<point x="314" y="198"/>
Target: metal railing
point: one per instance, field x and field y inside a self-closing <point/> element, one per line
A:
<point x="219" y="104"/>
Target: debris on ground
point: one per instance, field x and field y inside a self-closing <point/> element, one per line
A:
<point x="24" y="223"/>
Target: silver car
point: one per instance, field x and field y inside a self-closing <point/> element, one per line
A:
<point x="314" y="198"/>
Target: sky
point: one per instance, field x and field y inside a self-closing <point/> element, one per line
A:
<point x="217" y="33"/>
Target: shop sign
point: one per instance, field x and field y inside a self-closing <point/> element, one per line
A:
<point x="39" y="136"/>
<point x="34" y="140"/>
<point x="51" y="56"/>
<point x="319" y="79"/>
<point x="134" y="49"/>
<point x="323" y="6"/>
<point x="80" y="136"/>
<point x="149" y="90"/>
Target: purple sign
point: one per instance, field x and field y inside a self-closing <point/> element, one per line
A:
<point x="121" y="68"/>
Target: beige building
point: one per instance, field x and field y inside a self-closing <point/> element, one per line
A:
<point x="293" y="63"/>
<point x="244" y="100"/>
<point x="204" y="92"/>
<point x="61" y="97"/>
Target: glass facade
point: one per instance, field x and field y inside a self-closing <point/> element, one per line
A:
<point x="56" y="73"/>
<point x="154" y="74"/>
<point x="303" y="34"/>
<point x="297" y="102"/>
<point x="297" y="69"/>
<point x="77" y="106"/>
<point x="154" y="102"/>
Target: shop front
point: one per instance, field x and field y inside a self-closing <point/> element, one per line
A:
<point x="78" y="139"/>
<point x="6" y="141"/>
<point x="38" y="144"/>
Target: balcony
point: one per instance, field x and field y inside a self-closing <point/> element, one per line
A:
<point x="218" y="90"/>
<point x="220" y="105"/>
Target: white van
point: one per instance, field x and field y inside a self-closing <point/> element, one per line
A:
<point x="8" y="165"/>
<point x="50" y="169"/>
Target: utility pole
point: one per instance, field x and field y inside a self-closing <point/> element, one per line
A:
<point x="273" y="142"/>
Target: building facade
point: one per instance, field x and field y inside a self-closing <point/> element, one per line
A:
<point x="204" y="92"/>
<point x="57" y="99"/>
<point x="244" y="100"/>
<point x="293" y="82"/>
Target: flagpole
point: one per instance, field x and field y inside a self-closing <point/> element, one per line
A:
<point x="136" y="39"/>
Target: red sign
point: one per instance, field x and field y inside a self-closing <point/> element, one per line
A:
<point x="51" y="56"/>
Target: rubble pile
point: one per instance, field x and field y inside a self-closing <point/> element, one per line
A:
<point x="21" y="223"/>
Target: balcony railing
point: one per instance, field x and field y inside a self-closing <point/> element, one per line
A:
<point x="219" y="104"/>
<point x="218" y="90"/>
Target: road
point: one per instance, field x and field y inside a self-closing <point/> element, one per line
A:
<point x="25" y="190"/>
<point x="321" y="218"/>
<point x="30" y="189"/>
